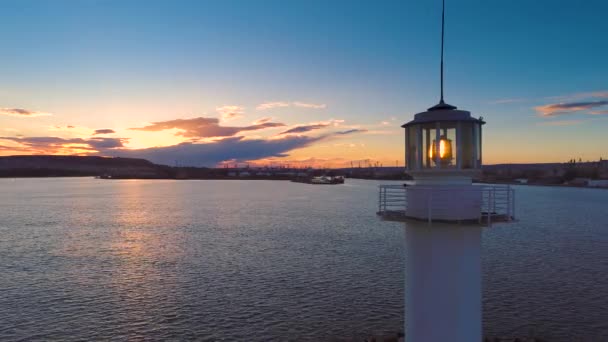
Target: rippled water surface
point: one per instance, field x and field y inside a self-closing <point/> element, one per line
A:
<point x="87" y="259"/>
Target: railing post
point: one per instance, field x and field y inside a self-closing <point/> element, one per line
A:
<point x="384" y="198"/>
<point x="404" y="200"/>
<point x="494" y="201"/>
<point x="508" y="203"/>
<point x="380" y="188"/>
<point x="513" y="205"/>
<point x="387" y="196"/>
<point x="385" y="204"/>
<point x="490" y="207"/>
<point x="480" y="217"/>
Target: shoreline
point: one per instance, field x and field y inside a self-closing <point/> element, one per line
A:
<point x="254" y="178"/>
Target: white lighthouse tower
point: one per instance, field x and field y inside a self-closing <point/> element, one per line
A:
<point x="444" y="214"/>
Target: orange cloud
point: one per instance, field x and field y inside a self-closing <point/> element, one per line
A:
<point x="203" y="127"/>
<point x="230" y="112"/>
<point x="56" y="145"/>
<point x="262" y="120"/>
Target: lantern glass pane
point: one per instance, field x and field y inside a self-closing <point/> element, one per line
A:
<point x="428" y="135"/>
<point x="467" y="145"/>
<point x="410" y="148"/>
<point x="477" y="132"/>
<point x="447" y="147"/>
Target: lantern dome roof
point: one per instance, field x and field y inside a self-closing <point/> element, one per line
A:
<point x="443" y="112"/>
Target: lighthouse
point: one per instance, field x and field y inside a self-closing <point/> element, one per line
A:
<point x="444" y="214"/>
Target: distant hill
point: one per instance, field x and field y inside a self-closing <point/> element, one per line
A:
<point x="66" y="166"/>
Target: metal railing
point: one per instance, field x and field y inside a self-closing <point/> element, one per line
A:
<point x="497" y="202"/>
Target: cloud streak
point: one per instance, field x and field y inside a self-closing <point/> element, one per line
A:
<point x="574" y="103"/>
<point x="579" y="96"/>
<point x="310" y="105"/>
<point x="507" y="101"/>
<point x="283" y="104"/>
<point x="351" y="131"/>
<point x="104" y="131"/>
<point x="22" y="113"/>
<point x="304" y="128"/>
<point x="311" y="127"/>
<point x="568" y="108"/>
<point x="271" y="105"/>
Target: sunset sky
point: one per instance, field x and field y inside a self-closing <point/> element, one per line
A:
<point x="317" y="83"/>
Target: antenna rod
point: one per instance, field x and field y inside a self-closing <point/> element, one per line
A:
<point x="442" y="34"/>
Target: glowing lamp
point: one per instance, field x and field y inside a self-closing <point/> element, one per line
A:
<point x="445" y="151"/>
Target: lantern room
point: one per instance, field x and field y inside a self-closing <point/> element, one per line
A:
<point x="443" y="137"/>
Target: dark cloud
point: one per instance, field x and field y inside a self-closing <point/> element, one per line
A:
<point x="104" y="143"/>
<point x="103" y="131"/>
<point x="21" y="112"/>
<point x="555" y="109"/>
<point x="210" y="154"/>
<point x="233" y="148"/>
<point x="203" y="127"/>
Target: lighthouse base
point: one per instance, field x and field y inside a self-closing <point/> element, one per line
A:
<point x="442" y="283"/>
